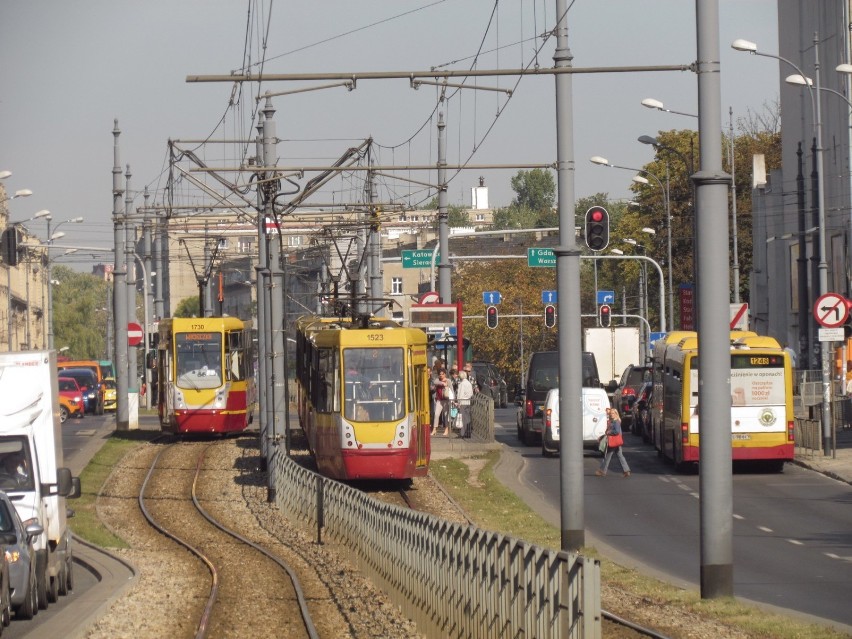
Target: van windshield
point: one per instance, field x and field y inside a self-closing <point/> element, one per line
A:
<point x="15" y="466"/>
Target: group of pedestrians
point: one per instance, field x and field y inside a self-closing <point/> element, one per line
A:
<point x="451" y="397"/>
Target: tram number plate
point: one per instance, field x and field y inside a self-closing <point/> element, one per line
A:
<point x="740" y="436"/>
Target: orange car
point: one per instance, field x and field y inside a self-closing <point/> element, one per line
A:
<point x="70" y="399"/>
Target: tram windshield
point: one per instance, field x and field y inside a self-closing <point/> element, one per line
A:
<point x="373" y="384"/>
<point x="198" y="360"/>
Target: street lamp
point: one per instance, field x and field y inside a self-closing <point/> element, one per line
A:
<point x="651" y="103"/>
<point x="666" y="199"/>
<point x="37" y="215"/>
<point x="18" y="193"/>
<point x="643" y="305"/>
<point x="751" y="47"/>
<point x="50" y="238"/>
<point x="596" y="159"/>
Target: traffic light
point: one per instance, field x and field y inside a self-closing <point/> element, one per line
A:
<point x="11" y="240"/>
<point x="550" y="316"/>
<point x="597" y="228"/>
<point x="605" y="315"/>
<point x="491" y="318"/>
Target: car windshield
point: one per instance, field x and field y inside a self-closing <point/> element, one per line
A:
<point x="6" y="521"/>
<point x="68" y="385"/>
<point x="84" y="378"/>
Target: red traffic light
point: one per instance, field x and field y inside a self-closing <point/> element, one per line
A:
<point x="597" y="228"/>
<point x="550" y="316"/>
<point x="491" y="317"/>
<point x="605" y="315"/>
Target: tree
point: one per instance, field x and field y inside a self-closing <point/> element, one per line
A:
<point x="521" y="289"/>
<point x="188" y="307"/>
<point x="673" y="167"/>
<point x="80" y="312"/>
<point x="533" y="206"/>
<point x="535" y="190"/>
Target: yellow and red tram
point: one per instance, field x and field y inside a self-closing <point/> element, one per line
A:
<point x="205" y="375"/>
<point x="363" y="397"/>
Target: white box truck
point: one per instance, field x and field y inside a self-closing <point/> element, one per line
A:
<point x="615" y="348"/>
<point x="31" y="463"/>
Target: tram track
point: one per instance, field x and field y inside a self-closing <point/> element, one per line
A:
<point x="247" y="584"/>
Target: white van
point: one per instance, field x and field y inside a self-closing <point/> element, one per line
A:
<point x="595" y="403"/>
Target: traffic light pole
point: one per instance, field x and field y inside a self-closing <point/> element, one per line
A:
<point x="572" y="517"/>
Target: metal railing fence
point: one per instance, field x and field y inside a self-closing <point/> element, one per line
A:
<point x="482" y="418"/>
<point x="453" y="580"/>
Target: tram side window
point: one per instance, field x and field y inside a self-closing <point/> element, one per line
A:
<point x="235" y="356"/>
<point x="325" y="391"/>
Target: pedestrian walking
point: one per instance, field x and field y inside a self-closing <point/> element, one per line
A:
<point x="615" y="440"/>
<point x="464" y="394"/>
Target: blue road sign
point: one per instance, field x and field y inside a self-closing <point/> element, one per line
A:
<point x="491" y="297"/>
<point x="606" y="297"/>
<point x="548" y="297"/>
<point x="653" y="337"/>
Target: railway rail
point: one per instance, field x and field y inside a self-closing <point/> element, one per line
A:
<point x="170" y="594"/>
<point x="169" y="500"/>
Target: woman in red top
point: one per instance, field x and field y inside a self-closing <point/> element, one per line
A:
<point x="613" y="428"/>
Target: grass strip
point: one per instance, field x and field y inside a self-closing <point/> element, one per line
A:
<point x="85" y="522"/>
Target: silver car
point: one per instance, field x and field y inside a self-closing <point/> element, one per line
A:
<point x="20" y="556"/>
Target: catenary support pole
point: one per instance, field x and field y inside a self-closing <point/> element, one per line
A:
<point x="572" y="522"/>
<point x="130" y="264"/>
<point x="262" y="325"/>
<point x="276" y="291"/>
<point x="713" y="284"/>
<point x="445" y="290"/>
<point x="119" y="295"/>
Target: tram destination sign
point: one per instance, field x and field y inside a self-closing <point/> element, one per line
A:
<point x="420" y="258"/>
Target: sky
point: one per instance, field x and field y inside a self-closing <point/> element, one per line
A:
<point x="72" y="68"/>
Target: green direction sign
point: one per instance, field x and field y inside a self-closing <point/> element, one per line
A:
<point x="421" y="258"/>
<point x="543" y="257"/>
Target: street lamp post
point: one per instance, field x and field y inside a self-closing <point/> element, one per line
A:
<point x="664" y="188"/>
<point x="50" y="237"/>
<point x="38" y="215"/>
<point x="751" y="47"/>
<point x="17" y="194"/>
<point x="651" y="103"/>
<point x="643" y="291"/>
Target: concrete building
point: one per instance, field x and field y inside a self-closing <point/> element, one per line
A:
<point x="785" y="277"/>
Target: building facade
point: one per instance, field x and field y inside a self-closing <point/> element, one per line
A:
<point x="785" y="282"/>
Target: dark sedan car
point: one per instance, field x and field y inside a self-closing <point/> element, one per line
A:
<point x="491" y="383"/>
<point x="625" y="394"/>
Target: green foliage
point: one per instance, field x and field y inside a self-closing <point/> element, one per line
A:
<point x="533" y="206"/>
<point x="80" y="313"/>
<point x="457" y="216"/>
<point x="521" y="288"/>
<point x="676" y="158"/>
<point x="188" y="307"/>
<point x="514" y="217"/>
<point x="536" y="190"/>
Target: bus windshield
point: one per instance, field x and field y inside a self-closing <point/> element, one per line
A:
<point x="198" y="360"/>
